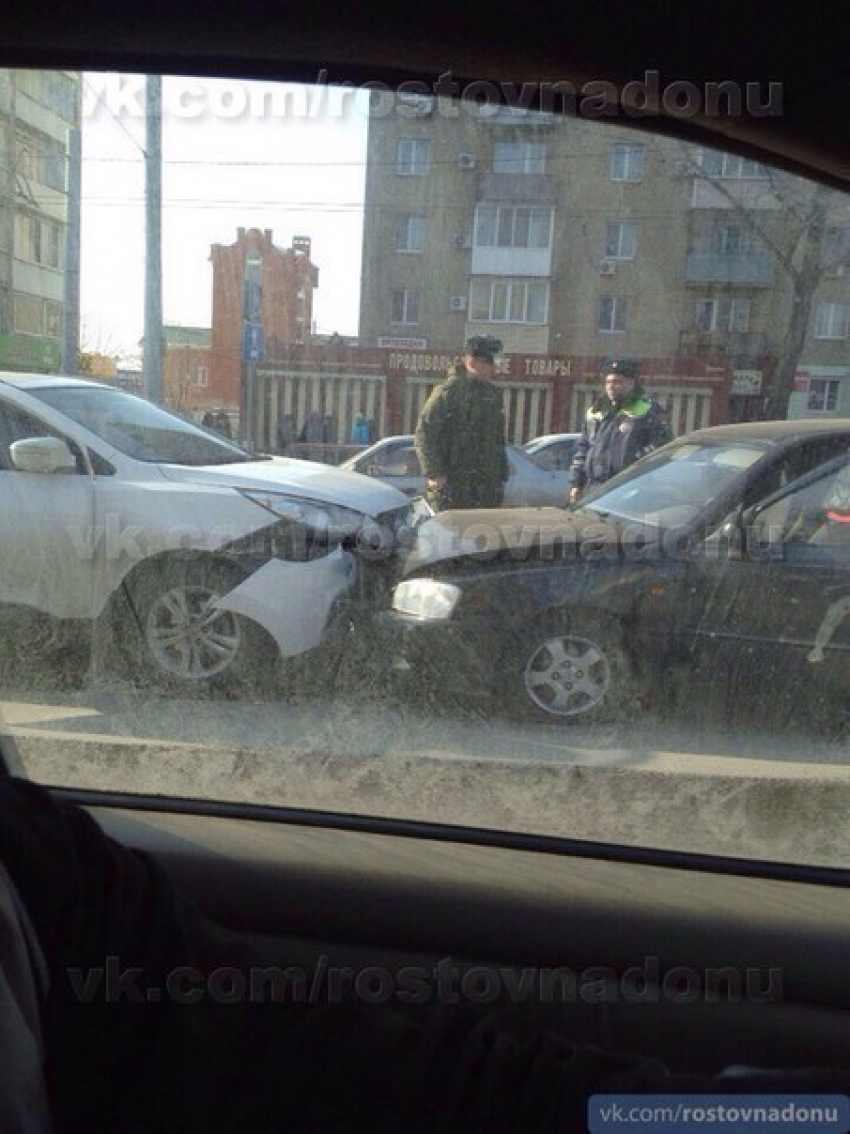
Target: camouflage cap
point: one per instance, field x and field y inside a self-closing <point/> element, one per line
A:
<point x="483" y="346"/>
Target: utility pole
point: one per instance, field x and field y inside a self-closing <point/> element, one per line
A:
<point x="152" y="351"/>
<point x="71" y="295"/>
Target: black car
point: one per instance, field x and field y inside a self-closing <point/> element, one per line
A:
<point x="730" y="545"/>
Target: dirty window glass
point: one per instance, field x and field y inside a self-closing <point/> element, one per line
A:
<point x="644" y="642"/>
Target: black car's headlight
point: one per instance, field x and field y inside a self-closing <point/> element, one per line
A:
<point x="426" y="599"/>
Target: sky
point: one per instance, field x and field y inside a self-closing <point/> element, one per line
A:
<point x="235" y="154"/>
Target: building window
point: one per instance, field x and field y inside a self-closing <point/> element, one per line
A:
<point x="717" y="164"/>
<point x="201" y="376"/>
<point x="53" y="89"/>
<point x="621" y="240"/>
<point x="519" y="157"/>
<point x="836" y="249"/>
<point x="627" y="162"/>
<point x="413" y="156"/>
<point x="497" y="226"/>
<point x="832" y="321"/>
<point x="509" y="301"/>
<point x="404" y="307"/>
<point x="410" y="233"/>
<point x="37" y="241"/>
<point x="823" y="395"/>
<point x="42" y="159"/>
<point x="722" y="315"/>
<point x="28" y="314"/>
<point x="612" y="315"/>
<point x="53" y="318"/>
<point x="731" y="240"/>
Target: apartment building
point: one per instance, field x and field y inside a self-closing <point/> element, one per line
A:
<point x="38" y="110"/>
<point x="575" y="241"/>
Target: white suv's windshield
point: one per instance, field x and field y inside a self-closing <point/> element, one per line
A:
<point x="139" y="429"/>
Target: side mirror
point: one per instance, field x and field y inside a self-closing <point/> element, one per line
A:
<point x="733" y="536"/>
<point x="374" y="469"/>
<point x="44" y="455"/>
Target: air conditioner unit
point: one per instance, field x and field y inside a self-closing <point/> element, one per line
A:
<point x="457" y="302"/>
<point x="466" y="161"/>
<point x="607" y="267"/>
<point x="462" y="241"/>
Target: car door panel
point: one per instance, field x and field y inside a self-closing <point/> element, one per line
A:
<point x="47" y="521"/>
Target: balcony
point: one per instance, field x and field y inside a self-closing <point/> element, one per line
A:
<point x="748" y="269"/>
<point x="742" y="193"/>
<point x="527" y="188"/>
<point x="511" y="261"/>
<point x="733" y="344"/>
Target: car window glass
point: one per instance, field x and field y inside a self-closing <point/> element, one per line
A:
<point x="817" y="514"/>
<point x="16" y="425"/>
<point x="611" y="664"/>
<point x="139" y="429"/>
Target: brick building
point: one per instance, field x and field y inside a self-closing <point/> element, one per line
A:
<point x="186" y="369"/>
<point x="262" y="300"/>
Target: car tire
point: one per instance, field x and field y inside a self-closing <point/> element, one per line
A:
<point x="183" y="644"/>
<point x="574" y="674"/>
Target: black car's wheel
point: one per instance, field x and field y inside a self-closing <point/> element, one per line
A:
<point x="581" y="673"/>
<point x="188" y="644"/>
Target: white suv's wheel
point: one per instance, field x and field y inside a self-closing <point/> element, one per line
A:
<point x="190" y="643"/>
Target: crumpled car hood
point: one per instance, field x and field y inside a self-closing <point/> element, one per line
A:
<point x="487" y="532"/>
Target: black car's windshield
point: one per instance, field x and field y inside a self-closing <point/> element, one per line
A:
<point x="140" y="429"/>
<point x="670" y="489"/>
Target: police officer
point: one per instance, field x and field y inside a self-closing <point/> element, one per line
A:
<point x="460" y="437"/>
<point x="619" y="427"/>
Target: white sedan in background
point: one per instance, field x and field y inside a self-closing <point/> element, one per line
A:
<point x="395" y="461"/>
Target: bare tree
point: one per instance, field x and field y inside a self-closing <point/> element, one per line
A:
<point x="793" y="229"/>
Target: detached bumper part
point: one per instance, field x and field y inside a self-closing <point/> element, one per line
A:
<point x="293" y="600"/>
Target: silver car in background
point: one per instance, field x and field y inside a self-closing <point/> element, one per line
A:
<point x="395" y="461"/>
<point x="553" y="450"/>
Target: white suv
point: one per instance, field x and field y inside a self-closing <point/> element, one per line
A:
<point x="205" y="558"/>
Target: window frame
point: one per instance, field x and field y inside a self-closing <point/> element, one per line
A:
<point x="401" y="301"/>
<point x="418" y="161"/>
<point x="620" y="228"/>
<point x="517" y="293"/>
<point x="832" y="321"/>
<point x="627" y="162"/>
<point x="618" y="306"/>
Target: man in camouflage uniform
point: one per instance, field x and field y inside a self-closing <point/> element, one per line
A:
<point x="619" y="427"/>
<point x="460" y="437"/>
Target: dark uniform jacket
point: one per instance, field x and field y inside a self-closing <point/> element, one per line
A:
<point x="461" y="436"/>
<point x="615" y="435"/>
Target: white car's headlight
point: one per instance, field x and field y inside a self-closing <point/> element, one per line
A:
<point x="426" y="598"/>
<point x="329" y="520"/>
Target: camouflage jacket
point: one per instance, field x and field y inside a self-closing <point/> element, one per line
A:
<point x="461" y="437"/>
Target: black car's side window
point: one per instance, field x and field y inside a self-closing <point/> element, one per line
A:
<point x="818" y="514"/>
